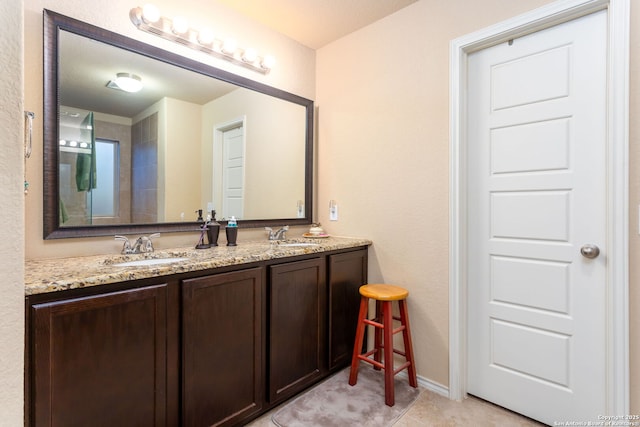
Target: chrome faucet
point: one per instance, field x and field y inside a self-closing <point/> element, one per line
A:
<point x="277" y="235"/>
<point x="142" y="244"/>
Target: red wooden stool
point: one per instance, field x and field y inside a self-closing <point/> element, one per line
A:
<point x="384" y="295"/>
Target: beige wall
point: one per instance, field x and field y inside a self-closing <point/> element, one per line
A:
<point x="11" y="215"/>
<point x="382" y="96"/>
<point x="274" y="173"/>
<point x="182" y="174"/>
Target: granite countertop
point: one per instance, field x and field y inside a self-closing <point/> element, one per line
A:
<point x="51" y="275"/>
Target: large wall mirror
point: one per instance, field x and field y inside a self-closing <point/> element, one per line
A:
<point x="194" y="137"/>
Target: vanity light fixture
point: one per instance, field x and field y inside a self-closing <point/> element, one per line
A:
<point x="148" y="19"/>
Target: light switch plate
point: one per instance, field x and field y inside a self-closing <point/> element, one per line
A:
<point x="333" y="213"/>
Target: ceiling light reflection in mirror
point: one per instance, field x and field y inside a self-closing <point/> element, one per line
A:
<point x="127" y="82"/>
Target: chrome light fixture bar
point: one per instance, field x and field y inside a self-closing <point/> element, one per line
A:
<point x="148" y="19"/>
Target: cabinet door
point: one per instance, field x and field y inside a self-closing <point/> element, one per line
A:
<point x="222" y="348"/>
<point x="347" y="272"/>
<point x="101" y="360"/>
<point x="297" y="331"/>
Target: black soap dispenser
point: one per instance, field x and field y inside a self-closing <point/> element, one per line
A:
<point x="232" y="231"/>
<point x="214" y="230"/>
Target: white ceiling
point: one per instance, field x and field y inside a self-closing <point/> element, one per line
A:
<point x="315" y="23"/>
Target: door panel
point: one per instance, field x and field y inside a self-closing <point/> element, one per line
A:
<point x="531" y="147"/>
<point x="542" y="284"/>
<point x="511" y="343"/>
<point x="519" y="80"/>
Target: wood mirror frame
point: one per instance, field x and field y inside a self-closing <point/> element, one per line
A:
<point x="53" y="23"/>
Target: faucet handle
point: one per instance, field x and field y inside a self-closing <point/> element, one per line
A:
<point x="145" y="242"/>
<point x="126" y="247"/>
<point x="280" y="234"/>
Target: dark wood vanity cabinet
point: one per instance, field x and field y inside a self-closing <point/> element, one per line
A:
<point x="347" y="272"/>
<point x="101" y="360"/>
<point x="222" y="321"/>
<point x="297" y="331"/>
<point x="210" y="348"/>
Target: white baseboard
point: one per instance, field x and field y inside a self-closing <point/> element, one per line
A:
<point x="433" y="386"/>
<point x="426" y="383"/>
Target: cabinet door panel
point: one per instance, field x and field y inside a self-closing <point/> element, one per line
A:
<point x="101" y="360"/>
<point x="297" y="329"/>
<point x="222" y="348"/>
<point x="347" y="272"/>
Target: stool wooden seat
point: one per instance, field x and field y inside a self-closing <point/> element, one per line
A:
<point x="384" y="295"/>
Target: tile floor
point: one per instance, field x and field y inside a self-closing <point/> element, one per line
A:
<point x="431" y="409"/>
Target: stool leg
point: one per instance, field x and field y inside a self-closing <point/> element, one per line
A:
<point x="389" y="395"/>
<point x="377" y="356"/>
<point x="357" y="347"/>
<point x="408" y="346"/>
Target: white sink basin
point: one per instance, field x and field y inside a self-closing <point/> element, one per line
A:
<point x="297" y="244"/>
<point x="151" y="261"/>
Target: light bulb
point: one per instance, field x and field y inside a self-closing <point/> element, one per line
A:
<point x="229" y="46"/>
<point x="268" y="62"/>
<point x="205" y="37"/>
<point x="180" y="25"/>
<point x="150" y="14"/>
<point x="249" y="55"/>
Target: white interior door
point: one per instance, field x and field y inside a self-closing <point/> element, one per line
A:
<point x="536" y="195"/>
<point x="233" y="173"/>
